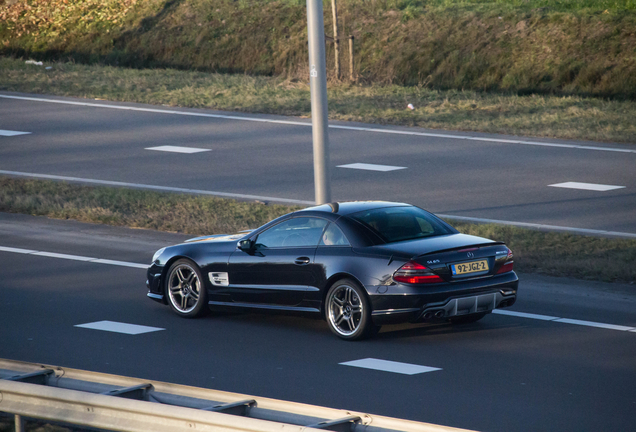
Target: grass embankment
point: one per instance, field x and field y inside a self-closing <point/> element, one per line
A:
<point x="583" y="47"/>
<point x="554" y="254"/>
<point x="572" y="117"/>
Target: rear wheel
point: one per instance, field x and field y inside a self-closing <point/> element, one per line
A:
<point x="467" y="319"/>
<point x="185" y="290"/>
<point x="348" y="311"/>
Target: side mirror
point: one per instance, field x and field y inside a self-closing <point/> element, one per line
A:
<point x="245" y="245"/>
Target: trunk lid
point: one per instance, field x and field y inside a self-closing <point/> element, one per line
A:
<point x="453" y="257"/>
<point x="466" y="262"/>
<point x="425" y="246"/>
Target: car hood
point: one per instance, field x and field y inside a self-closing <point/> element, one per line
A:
<point x="217" y="238"/>
<point x="415" y="248"/>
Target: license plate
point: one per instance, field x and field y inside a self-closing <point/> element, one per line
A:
<point x="469" y="267"/>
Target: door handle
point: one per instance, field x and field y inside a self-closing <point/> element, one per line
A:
<point x="302" y="260"/>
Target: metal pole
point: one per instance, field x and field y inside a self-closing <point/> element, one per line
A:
<point x="318" y="86"/>
<point x="336" y="40"/>
<point x="19" y="423"/>
<point x="351" y="74"/>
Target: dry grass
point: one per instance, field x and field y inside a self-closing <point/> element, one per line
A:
<point x="571" y="117"/>
<point x="524" y="46"/>
<point x="134" y="208"/>
<point x="548" y="253"/>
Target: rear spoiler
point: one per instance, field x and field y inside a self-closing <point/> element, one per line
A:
<point x="477" y="245"/>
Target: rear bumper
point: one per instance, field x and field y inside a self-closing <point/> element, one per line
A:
<point x="403" y="303"/>
<point x="482" y="303"/>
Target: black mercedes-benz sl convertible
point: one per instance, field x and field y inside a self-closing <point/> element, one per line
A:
<point x="357" y="264"/>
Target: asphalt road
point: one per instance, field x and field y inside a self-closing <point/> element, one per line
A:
<point x="462" y="174"/>
<point x="504" y="373"/>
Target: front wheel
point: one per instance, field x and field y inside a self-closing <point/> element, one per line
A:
<point x="185" y="290"/>
<point x="348" y="311"/>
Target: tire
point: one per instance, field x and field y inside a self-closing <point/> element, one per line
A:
<point x="185" y="289"/>
<point x="348" y="311"/>
<point x="467" y="319"/>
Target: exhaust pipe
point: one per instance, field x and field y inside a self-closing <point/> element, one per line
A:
<point x="440" y="313"/>
<point x="428" y="315"/>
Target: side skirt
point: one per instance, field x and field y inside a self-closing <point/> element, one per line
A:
<point x="265" y="307"/>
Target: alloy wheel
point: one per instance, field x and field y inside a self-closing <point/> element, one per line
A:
<point x="345" y="310"/>
<point x="184" y="288"/>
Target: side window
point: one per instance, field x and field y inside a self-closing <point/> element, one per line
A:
<point x="333" y="236"/>
<point x="295" y="232"/>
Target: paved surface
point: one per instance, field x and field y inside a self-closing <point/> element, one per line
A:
<point x="476" y="175"/>
<point x="504" y="373"/>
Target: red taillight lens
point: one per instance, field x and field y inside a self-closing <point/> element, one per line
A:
<point x="424" y="279"/>
<point x="413" y="266"/>
<point x="415" y="273"/>
<point x="507" y="266"/>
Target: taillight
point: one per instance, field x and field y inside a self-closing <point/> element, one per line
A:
<point x="415" y="273"/>
<point x="507" y="266"/>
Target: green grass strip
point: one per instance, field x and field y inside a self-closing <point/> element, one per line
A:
<point x="191" y="214"/>
<point x="556" y="254"/>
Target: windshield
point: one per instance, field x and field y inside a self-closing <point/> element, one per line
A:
<point x="394" y="224"/>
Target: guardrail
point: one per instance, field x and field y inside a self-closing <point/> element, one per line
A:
<point x="114" y="402"/>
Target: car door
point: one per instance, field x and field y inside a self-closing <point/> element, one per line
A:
<point x="280" y="269"/>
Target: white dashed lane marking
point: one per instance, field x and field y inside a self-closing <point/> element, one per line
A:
<point x="117" y="327"/>
<point x="525" y="315"/>
<point x="390" y="366"/>
<point x="564" y="320"/>
<point x="371" y="167"/>
<point x="175" y="149"/>
<point x="73" y="257"/>
<point x="587" y="186"/>
<point x="64" y="256"/>
<point x="12" y="133"/>
<point x="594" y="324"/>
<point x="16" y="250"/>
<point x="119" y="263"/>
